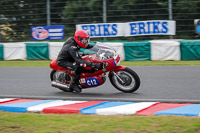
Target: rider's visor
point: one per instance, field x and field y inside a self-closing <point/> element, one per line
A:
<point x="83" y="40"/>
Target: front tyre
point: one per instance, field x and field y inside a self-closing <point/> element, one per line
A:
<point x="125" y="80"/>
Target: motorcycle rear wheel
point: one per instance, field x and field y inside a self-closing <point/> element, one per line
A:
<point x="52" y="77"/>
<point x="129" y="80"/>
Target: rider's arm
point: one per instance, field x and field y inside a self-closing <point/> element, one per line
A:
<point x="74" y="53"/>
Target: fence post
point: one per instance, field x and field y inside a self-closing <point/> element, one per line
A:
<point x="0" y="33"/>
<point x="104" y="15"/>
<point x="170" y="13"/>
<point x="48" y="13"/>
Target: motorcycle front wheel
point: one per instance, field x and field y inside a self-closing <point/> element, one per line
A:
<point x="125" y="80"/>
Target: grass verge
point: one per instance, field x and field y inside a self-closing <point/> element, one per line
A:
<point x="45" y="63"/>
<point x="79" y="123"/>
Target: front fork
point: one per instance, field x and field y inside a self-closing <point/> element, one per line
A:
<point x="116" y="70"/>
<point x="118" y="77"/>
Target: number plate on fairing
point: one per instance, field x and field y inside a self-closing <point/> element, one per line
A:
<point x="92" y="82"/>
<point x="116" y="60"/>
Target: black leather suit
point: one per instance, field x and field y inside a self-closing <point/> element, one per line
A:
<point x="70" y="58"/>
<point x="70" y="54"/>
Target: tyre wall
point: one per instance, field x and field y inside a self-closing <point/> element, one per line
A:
<point x="129" y="51"/>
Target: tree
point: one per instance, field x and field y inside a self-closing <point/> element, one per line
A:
<point x="80" y="12"/>
<point x="184" y="13"/>
<point x="21" y="15"/>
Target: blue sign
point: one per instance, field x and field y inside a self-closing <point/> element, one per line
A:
<point x="138" y="28"/>
<point x="149" y="27"/>
<point x="92" y="82"/>
<point x="55" y="32"/>
<point x="197" y="26"/>
<point x="101" y="29"/>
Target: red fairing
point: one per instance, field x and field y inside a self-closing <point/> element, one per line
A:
<point x="116" y="69"/>
<point x="53" y="65"/>
<point x="119" y="68"/>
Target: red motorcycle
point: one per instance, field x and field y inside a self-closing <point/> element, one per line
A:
<point x="121" y="77"/>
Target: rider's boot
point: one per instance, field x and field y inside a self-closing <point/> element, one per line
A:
<point x="74" y="84"/>
<point x="75" y="87"/>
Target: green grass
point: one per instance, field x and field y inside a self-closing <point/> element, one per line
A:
<point x="160" y="63"/>
<point x="78" y="123"/>
<point x="18" y="63"/>
<point x="45" y="63"/>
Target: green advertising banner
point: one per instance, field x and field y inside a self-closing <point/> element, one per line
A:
<point x="190" y="49"/>
<point x="1" y="52"/>
<point x="37" y="51"/>
<point x="137" y="51"/>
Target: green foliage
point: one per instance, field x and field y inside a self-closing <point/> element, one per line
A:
<point x="20" y="15"/>
<point x="17" y="16"/>
<point x="81" y="12"/>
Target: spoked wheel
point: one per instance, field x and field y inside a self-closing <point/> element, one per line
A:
<point x="125" y="80"/>
<point x="60" y="80"/>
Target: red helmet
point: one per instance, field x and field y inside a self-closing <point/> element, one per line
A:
<point x="82" y="37"/>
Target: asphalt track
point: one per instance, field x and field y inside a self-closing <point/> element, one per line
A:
<point x="158" y="84"/>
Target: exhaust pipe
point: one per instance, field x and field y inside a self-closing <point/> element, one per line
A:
<point x="59" y="85"/>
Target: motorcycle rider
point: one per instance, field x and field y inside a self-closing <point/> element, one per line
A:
<point x="70" y="58"/>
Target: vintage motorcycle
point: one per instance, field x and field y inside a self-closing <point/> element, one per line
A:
<point x="121" y="77"/>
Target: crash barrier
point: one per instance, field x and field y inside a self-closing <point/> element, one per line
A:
<point x="129" y="51"/>
<point x="98" y="107"/>
<point x="165" y="50"/>
<point x="1" y="52"/>
<point x="190" y="49"/>
<point x="137" y="51"/>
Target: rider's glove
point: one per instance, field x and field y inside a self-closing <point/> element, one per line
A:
<point x="81" y="54"/>
<point x="99" y="65"/>
<point x="93" y="65"/>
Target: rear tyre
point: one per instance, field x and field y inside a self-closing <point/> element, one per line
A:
<point x="52" y="74"/>
<point x="129" y="80"/>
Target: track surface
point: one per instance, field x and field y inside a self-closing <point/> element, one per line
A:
<point x="158" y="83"/>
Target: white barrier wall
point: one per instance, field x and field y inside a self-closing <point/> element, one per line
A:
<point x="175" y="49"/>
<point x="165" y="50"/>
<point x="14" y="51"/>
<point x="54" y="49"/>
<point x="119" y="47"/>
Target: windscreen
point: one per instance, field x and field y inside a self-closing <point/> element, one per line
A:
<point x="102" y="52"/>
